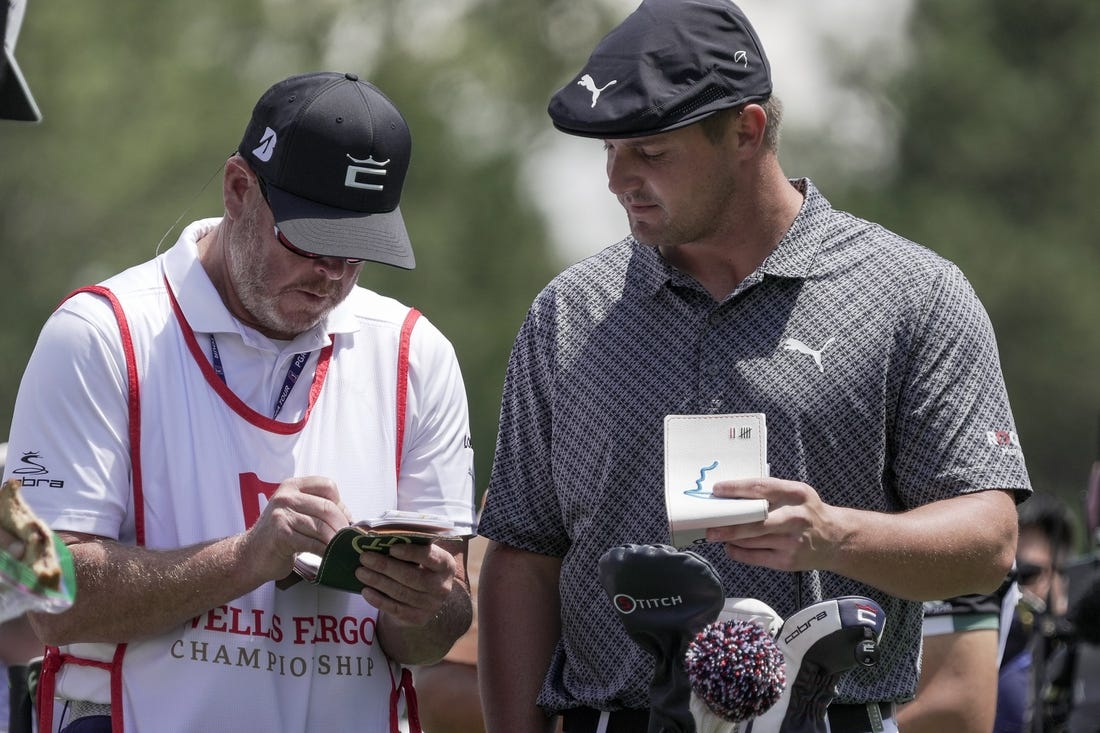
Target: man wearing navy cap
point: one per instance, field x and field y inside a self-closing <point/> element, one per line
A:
<point x="191" y="425"/>
<point x="894" y="461"/>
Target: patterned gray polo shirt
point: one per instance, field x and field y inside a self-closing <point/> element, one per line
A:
<point x="902" y="404"/>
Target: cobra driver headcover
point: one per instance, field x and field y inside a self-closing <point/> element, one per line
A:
<point x="821" y="643"/>
<point x="664" y="596"/>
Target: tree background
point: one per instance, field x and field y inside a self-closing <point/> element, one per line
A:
<point x="983" y="145"/>
<point x="997" y="115"/>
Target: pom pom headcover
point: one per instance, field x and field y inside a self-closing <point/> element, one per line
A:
<point x="736" y="668"/>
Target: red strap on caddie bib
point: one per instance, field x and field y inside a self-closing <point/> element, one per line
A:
<point x="405" y="686"/>
<point x="406" y="683"/>
<point x="53" y="658"/>
<point x="403" y="381"/>
<point x="47" y="684"/>
<point x="133" y="402"/>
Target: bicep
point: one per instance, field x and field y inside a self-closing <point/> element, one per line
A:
<point x="71" y="423"/>
<point x="437" y="457"/>
<point x="954" y="428"/>
<point x="518" y="603"/>
<point x="977" y="521"/>
<point x="513" y="577"/>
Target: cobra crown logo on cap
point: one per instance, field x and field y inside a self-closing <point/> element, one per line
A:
<point x="351" y="178"/>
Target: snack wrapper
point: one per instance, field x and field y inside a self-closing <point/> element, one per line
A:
<point x="20" y="590"/>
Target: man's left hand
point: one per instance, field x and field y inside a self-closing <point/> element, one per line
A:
<point x="798" y="534"/>
<point x="410" y="584"/>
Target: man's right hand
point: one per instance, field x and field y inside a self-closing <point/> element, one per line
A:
<point x="302" y="515"/>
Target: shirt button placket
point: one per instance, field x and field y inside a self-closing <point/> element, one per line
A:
<point x="711" y="368"/>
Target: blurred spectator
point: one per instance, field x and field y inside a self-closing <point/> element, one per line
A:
<point x="1034" y="688"/>
<point x="974" y="678"/>
<point x="1084" y="665"/>
<point x="1046" y="541"/>
<point x="1083" y="576"/>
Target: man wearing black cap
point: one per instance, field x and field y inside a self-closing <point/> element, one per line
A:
<point x="894" y="461"/>
<point x="194" y="423"/>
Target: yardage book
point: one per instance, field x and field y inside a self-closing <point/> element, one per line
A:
<point x="701" y="450"/>
<point x="336" y="568"/>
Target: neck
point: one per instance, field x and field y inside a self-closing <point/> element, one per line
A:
<point x="212" y="257"/>
<point x="758" y="220"/>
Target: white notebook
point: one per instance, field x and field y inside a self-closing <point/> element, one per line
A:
<point x="701" y="450"/>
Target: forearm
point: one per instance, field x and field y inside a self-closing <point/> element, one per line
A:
<point x="961" y="545"/>
<point x="958" y="685"/>
<point x="410" y="644"/>
<point x="518" y="629"/>
<point x="126" y="592"/>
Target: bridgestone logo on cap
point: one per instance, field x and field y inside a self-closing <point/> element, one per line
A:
<point x="267" y="145"/>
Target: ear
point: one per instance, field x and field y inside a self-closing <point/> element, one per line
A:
<point x="750" y="128"/>
<point x="237" y="186"/>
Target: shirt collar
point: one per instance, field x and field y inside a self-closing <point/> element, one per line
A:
<point x="206" y="313"/>
<point x="648" y="270"/>
<point x="798" y="249"/>
<point x="792" y="258"/>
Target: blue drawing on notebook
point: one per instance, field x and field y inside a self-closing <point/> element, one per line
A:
<point x="698" y="491"/>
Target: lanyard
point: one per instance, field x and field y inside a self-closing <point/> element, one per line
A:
<point x="292" y="373"/>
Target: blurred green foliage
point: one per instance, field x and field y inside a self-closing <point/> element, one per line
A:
<point x="995" y="114"/>
<point x="142" y="104"/>
<point x="998" y="110"/>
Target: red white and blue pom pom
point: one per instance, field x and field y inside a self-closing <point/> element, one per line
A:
<point x="736" y="668"/>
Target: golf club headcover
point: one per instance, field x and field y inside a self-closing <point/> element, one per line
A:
<point x="821" y="643"/>
<point x="663" y="596"/>
<point x="737" y="672"/>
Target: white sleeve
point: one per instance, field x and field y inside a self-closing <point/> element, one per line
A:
<point x="69" y="440"/>
<point x="437" y="465"/>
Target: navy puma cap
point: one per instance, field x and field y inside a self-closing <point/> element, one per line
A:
<point x="669" y="64"/>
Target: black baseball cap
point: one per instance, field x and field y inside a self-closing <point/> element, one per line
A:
<point x="16" y="102"/>
<point x="669" y="64"/>
<point x="333" y="151"/>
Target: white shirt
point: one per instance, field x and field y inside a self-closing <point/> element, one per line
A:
<point x="204" y="465"/>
